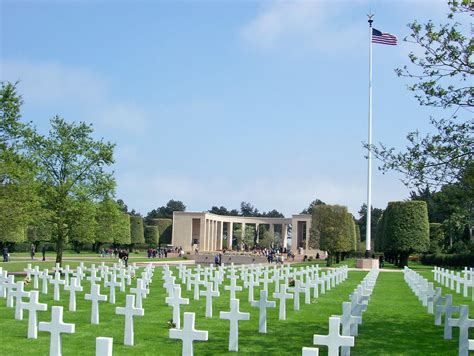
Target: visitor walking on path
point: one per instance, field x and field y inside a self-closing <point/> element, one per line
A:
<point x="5" y="254"/>
<point x="43" y="252"/>
<point x="32" y="251"/>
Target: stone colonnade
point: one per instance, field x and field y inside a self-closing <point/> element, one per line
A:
<point x="205" y="231"/>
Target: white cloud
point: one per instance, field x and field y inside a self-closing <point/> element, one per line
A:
<point x="50" y="84"/>
<point x="309" y="24"/>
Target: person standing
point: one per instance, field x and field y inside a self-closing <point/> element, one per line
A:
<point x="5" y="254"/>
<point x="32" y="251"/>
<point x="43" y="252"/>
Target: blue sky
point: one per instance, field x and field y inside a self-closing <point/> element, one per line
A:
<point x="218" y="102"/>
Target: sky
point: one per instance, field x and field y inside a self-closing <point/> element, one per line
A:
<point x="219" y="102"/>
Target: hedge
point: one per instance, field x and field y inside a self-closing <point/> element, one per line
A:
<point x="152" y="235"/>
<point x="165" y="228"/>
<point x="453" y="260"/>
<point x="405" y="229"/>
<point x="122" y="236"/>
<point x="137" y="232"/>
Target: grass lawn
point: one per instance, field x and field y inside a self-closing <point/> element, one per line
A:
<point x="396" y="323"/>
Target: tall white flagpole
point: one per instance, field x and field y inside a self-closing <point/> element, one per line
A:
<point x="369" y="153"/>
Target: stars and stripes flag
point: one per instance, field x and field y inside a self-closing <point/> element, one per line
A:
<point x="383" y="38"/>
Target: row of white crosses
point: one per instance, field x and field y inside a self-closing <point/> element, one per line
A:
<point x="438" y="305"/>
<point x="14" y="292"/>
<point x="343" y="328"/>
<point x="460" y="282"/>
<point x="307" y="281"/>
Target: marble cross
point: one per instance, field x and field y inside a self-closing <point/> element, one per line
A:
<point x="463" y="323"/>
<point x="250" y="284"/>
<point x="140" y="291"/>
<point x="297" y="289"/>
<point x="10" y="286"/>
<point x="56" y="327"/>
<point x="111" y="284"/>
<point x="188" y="334"/>
<point x="18" y="293"/>
<point x="95" y="297"/>
<point x="334" y="339"/>
<point x="263" y="304"/>
<point x="129" y="311"/>
<point x="234" y="316"/>
<point x="283" y="296"/>
<point x="448" y="310"/>
<point x="33" y="306"/>
<point x="233" y="287"/>
<point x="347" y="320"/>
<point x="175" y="301"/>
<point x="45" y="278"/>
<point x="209" y="293"/>
<point x="73" y="287"/>
<point x="57" y="281"/>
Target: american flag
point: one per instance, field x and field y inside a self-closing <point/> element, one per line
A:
<point x="383" y="38"/>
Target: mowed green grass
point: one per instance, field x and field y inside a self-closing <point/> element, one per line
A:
<point x="395" y="323"/>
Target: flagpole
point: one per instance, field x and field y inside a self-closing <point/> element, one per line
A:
<point x="369" y="155"/>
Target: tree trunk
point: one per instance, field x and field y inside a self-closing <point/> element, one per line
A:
<point x="337" y="257"/>
<point x="328" y="260"/>
<point x="59" y="249"/>
<point x="403" y="259"/>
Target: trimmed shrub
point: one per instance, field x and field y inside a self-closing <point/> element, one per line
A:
<point x="137" y="233"/>
<point x="165" y="228"/>
<point x="406" y="229"/>
<point x="152" y="235"/>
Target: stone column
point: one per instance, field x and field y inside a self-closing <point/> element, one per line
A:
<point x="294" y="236"/>
<point x="272" y="229"/>
<point x="202" y="233"/>
<point x="221" y="235"/>
<point x="284" y="235"/>
<point x="213" y="231"/>
<point x="257" y="238"/>
<point x="243" y="232"/>
<point x="307" y="236"/>
<point x="230" y="233"/>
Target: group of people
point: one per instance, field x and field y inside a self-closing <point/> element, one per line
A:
<point x="157" y="252"/>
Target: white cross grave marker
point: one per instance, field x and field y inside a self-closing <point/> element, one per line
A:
<point x="103" y="346"/>
<point x="111" y="284"/>
<point x="463" y="323"/>
<point x="234" y="316"/>
<point x="73" y="287"/>
<point x="140" y="291"/>
<point x="95" y="297"/>
<point x="33" y="306"/>
<point x="263" y="304"/>
<point x="57" y="281"/>
<point x="283" y="296"/>
<point x="56" y="327"/>
<point x="333" y="340"/>
<point x="175" y="301"/>
<point x="209" y="293"/>
<point x="18" y="293"/>
<point x="188" y="334"/>
<point x="129" y="311"/>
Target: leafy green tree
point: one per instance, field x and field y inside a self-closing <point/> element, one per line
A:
<point x="273" y="214"/>
<point x="81" y="220"/>
<point x="20" y="204"/>
<point x="71" y="167"/>
<point x="109" y="221"/>
<point x="362" y="221"/>
<point x="436" y="238"/>
<point x="219" y="210"/>
<point x="441" y="77"/>
<point x="166" y="211"/>
<point x="122" y="233"/>
<point x="309" y="209"/>
<point x="333" y="231"/>
<point x="122" y="206"/>
<point x="267" y="239"/>
<point x="247" y="209"/>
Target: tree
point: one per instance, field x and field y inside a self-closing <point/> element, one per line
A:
<point x="166" y="211"/>
<point x="122" y="235"/>
<point x="20" y="204"/>
<point x="331" y="230"/>
<point x="309" y="209"/>
<point x="273" y="214"/>
<point x="81" y="220"/>
<point x="122" y="206"/>
<point x="219" y="211"/>
<point x="406" y="229"/>
<point x="267" y="239"/>
<point x="109" y="222"/>
<point x="362" y="222"/>
<point x="441" y="77"/>
<point x="247" y="209"/>
<point x="71" y="166"/>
